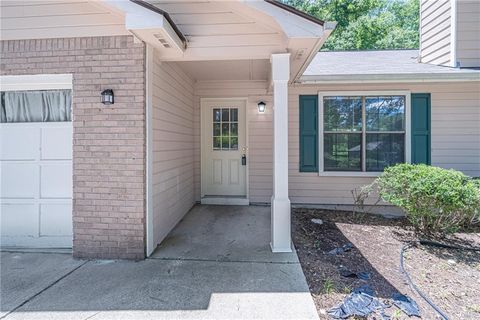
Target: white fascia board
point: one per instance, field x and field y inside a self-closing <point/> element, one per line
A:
<point x="391" y="78"/>
<point x="292" y="25"/>
<point x="328" y="29"/>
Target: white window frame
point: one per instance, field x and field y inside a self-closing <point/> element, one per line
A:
<point x="36" y="82"/>
<point x="30" y="82"/>
<point x="322" y="94"/>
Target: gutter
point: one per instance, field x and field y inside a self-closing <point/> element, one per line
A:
<point x="390" y="78"/>
<point x="297" y="12"/>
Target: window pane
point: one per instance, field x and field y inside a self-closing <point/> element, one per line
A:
<point x="225" y="113"/>
<point x="234" y="143"/>
<point x="216" y="129"/>
<point x="342" y="152"/>
<point x="342" y="113"/>
<point x="225" y="142"/>
<point x="225" y="130"/>
<point x="384" y="149"/>
<point x="234" y="114"/>
<point x="217" y="115"/>
<point x="217" y="143"/>
<point x="234" y="129"/>
<point x="385" y="113"/>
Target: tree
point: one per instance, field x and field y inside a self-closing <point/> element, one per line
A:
<point x="367" y="24"/>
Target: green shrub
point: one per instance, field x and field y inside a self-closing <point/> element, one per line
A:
<point x="435" y="200"/>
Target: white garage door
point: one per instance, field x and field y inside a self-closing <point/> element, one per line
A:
<point x="36" y="176"/>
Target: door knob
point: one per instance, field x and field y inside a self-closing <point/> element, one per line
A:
<point x="244" y="159"/>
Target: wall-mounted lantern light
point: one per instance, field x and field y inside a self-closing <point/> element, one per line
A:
<point x="261" y="107"/>
<point x="107" y="96"/>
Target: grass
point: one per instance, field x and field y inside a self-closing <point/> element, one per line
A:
<point x="328" y="286"/>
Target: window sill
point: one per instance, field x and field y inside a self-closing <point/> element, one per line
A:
<point x="348" y="174"/>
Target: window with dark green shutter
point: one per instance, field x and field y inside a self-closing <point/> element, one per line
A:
<point x="421" y="128"/>
<point x="309" y="133"/>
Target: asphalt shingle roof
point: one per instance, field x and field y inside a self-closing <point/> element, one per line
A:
<point x="331" y="64"/>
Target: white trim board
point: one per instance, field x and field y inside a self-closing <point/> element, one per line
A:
<point x="36" y="82"/>
<point x="150" y="245"/>
<point x="228" y="201"/>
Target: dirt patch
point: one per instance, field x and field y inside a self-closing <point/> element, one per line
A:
<point x="451" y="278"/>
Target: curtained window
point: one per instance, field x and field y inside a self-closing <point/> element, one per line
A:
<point x="36" y="106"/>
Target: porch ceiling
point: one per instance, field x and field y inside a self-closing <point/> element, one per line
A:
<point x="227" y="70"/>
<point x="241" y="30"/>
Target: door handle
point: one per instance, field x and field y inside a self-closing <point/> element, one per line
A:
<point x="244" y="159"/>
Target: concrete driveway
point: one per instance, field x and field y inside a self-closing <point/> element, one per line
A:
<point x="214" y="265"/>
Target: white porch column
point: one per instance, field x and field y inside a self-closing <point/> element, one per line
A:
<point x="280" y="206"/>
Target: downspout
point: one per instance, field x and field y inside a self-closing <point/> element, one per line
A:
<point x="453" y="33"/>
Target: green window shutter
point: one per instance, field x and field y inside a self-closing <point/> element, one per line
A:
<point x="421" y="127"/>
<point x="309" y="133"/>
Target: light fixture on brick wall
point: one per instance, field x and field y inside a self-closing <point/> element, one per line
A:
<point x="107" y="96"/>
<point x="261" y="106"/>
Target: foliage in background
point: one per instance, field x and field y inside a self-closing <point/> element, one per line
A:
<point x="367" y="24"/>
<point x="436" y="201"/>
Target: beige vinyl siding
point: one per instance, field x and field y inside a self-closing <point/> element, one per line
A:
<point x="468" y="33"/>
<point x="57" y="19"/>
<point x="173" y="146"/>
<point x="435" y="32"/>
<point x="455" y="138"/>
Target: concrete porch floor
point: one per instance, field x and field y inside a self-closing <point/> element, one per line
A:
<point x="216" y="264"/>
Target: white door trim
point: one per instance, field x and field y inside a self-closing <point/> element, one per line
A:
<point x="224" y="200"/>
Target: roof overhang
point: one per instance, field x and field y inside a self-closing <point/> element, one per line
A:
<point x="150" y="24"/>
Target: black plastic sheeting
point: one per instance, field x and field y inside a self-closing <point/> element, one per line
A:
<point x="361" y="302"/>
<point x="363" y="275"/>
<point x="345" y="248"/>
<point x="406" y="304"/>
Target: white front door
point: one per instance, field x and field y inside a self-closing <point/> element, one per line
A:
<point x="224" y="149"/>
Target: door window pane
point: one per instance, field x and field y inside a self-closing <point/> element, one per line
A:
<point x="217" y="115"/>
<point x="234" y="143"/>
<point x="225" y="143"/>
<point x="225" y="115"/>
<point x="342" y="152"/>
<point x="342" y="113"/>
<point x="217" y="143"/>
<point x="225" y="129"/>
<point x="216" y="129"/>
<point x="234" y="129"/>
<point x="234" y="114"/>
<point x="384" y="149"/>
<point x="385" y="113"/>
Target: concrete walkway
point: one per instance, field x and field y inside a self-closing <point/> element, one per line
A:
<point x="215" y="264"/>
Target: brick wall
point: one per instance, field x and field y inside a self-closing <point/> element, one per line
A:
<point x="108" y="142"/>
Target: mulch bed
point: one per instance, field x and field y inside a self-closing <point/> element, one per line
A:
<point x="451" y="278"/>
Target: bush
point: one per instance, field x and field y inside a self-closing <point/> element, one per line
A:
<point x="435" y="200"/>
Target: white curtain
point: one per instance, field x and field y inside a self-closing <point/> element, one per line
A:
<point x="36" y="106"/>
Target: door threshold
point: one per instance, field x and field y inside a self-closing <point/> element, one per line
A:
<point x="225" y="200"/>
